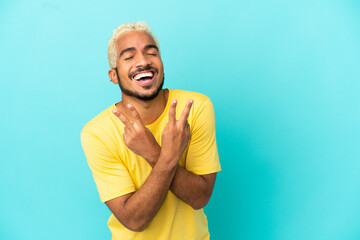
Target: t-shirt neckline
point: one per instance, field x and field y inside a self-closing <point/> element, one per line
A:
<point x="162" y="114"/>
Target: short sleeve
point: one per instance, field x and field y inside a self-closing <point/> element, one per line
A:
<point x="111" y="176"/>
<point x="202" y="156"/>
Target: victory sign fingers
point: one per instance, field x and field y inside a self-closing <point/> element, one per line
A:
<point x="137" y="137"/>
<point x="185" y="114"/>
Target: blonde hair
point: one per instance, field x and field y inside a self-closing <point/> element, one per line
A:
<point x="126" y="27"/>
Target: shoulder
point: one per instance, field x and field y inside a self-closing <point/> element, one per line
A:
<point x="202" y="108"/>
<point x="100" y="123"/>
<point x="186" y="95"/>
<point x="200" y="100"/>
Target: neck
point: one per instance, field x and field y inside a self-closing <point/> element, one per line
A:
<point x="149" y="111"/>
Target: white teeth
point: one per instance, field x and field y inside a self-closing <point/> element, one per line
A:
<point x="141" y="75"/>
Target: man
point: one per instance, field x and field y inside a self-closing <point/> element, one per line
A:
<point x="153" y="155"/>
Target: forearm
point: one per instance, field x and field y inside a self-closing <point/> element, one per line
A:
<point x="193" y="189"/>
<point x="136" y="210"/>
<point x="140" y="207"/>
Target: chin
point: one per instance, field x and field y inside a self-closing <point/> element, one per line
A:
<point x="142" y="96"/>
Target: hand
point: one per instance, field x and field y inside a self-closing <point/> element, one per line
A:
<point x="137" y="137"/>
<point x="176" y="134"/>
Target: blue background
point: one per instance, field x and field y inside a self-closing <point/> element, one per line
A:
<point x="284" y="80"/>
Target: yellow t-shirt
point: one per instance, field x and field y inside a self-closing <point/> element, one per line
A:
<point x="118" y="171"/>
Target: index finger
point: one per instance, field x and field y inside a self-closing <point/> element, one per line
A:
<point x="122" y="118"/>
<point x="135" y="114"/>
<point x="172" y="112"/>
<point x="185" y="113"/>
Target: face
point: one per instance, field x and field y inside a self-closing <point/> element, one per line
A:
<point x="139" y="69"/>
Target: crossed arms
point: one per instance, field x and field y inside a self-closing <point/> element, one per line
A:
<point x="166" y="174"/>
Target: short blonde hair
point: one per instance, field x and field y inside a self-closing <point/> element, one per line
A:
<point x="126" y="27"/>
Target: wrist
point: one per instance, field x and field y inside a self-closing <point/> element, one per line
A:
<point x="168" y="158"/>
<point x="153" y="158"/>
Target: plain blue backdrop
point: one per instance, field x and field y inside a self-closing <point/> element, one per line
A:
<point x="284" y="77"/>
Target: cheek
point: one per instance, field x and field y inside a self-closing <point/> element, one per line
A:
<point x="123" y="70"/>
<point x="161" y="66"/>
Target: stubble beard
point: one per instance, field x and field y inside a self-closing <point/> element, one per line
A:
<point x="142" y="97"/>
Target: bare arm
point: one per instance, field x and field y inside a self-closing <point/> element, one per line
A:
<point x="130" y="209"/>
<point x="191" y="188"/>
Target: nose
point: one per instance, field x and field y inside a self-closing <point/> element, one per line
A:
<point x="142" y="61"/>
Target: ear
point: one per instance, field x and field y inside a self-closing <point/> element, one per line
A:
<point x="113" y="76"/>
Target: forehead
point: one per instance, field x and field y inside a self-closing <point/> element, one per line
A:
<point x="134" y="39"/>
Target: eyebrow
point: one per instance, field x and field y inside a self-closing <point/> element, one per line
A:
<point x="127" y="50"/>
<point x="133" y="49"/>
<point x="151" y="46"/>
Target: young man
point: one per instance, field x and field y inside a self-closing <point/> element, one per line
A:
<point x="153" y="155"/>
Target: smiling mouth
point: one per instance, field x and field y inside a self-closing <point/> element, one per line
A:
<point x="143" y="76"/>
<point x="144" y="79"/>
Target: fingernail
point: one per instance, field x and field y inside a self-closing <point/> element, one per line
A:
<point x="129" y="105"/>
